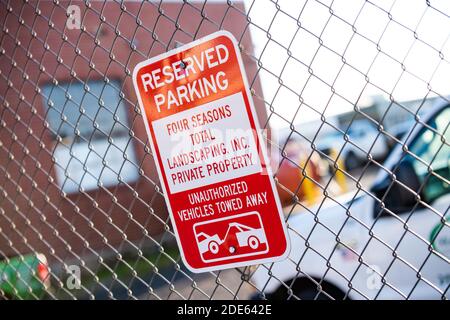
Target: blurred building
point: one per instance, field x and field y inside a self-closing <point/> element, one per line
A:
<point x="76" y="173"/>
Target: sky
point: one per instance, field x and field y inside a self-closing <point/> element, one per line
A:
<point x="395" y="37"/>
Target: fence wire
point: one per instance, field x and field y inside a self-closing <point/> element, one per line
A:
<point x="82" y="214"/>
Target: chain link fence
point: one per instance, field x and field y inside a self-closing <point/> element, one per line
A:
<point x="338" y="87"/>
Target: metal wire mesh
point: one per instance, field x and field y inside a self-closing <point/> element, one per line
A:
<point x="78" y="184"/>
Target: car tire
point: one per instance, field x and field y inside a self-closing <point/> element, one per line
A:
<point x="253" y="242"/>
<point x="302" y="294"/>
<point x="304" y="289"/>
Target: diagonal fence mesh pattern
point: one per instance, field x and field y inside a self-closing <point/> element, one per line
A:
<point x="338" y="87"/>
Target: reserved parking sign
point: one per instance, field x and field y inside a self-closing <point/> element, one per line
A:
<point x="212" y="165"/>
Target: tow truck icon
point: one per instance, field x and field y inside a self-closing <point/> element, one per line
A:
<point x="253" y="239"/>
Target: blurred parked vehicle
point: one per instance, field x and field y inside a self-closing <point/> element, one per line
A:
<point x="363" y="137"/>
<point x="397" y="250"/>
<point x="290" y="173"/>
<point x="400" y="132"/>
<point x="24" y="277"/>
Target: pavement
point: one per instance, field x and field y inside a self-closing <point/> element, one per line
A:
<point x="221" y="285"/>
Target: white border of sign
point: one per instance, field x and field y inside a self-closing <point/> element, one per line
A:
<point x="261" y="145"/>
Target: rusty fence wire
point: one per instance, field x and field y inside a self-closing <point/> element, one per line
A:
<point x="338" y="87"/>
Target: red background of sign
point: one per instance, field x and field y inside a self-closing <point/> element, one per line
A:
<point x="259" y="182"/>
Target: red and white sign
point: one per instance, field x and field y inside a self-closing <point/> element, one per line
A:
<point x="212" y="165"/>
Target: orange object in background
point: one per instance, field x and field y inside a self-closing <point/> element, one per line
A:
<point x="290" y="175"/>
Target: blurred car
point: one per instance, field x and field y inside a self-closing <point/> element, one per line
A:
<point x="356" y="248"/>
<point x="289" y="172"/>
<point x="400" y="132"/>
<point x="24" y="277"/>
<point x="363" y="137"/>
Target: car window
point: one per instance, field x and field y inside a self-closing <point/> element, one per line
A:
<point x="360" y="129"/>
<point x="351" y="132"/>
<point x="432" y="147"/>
